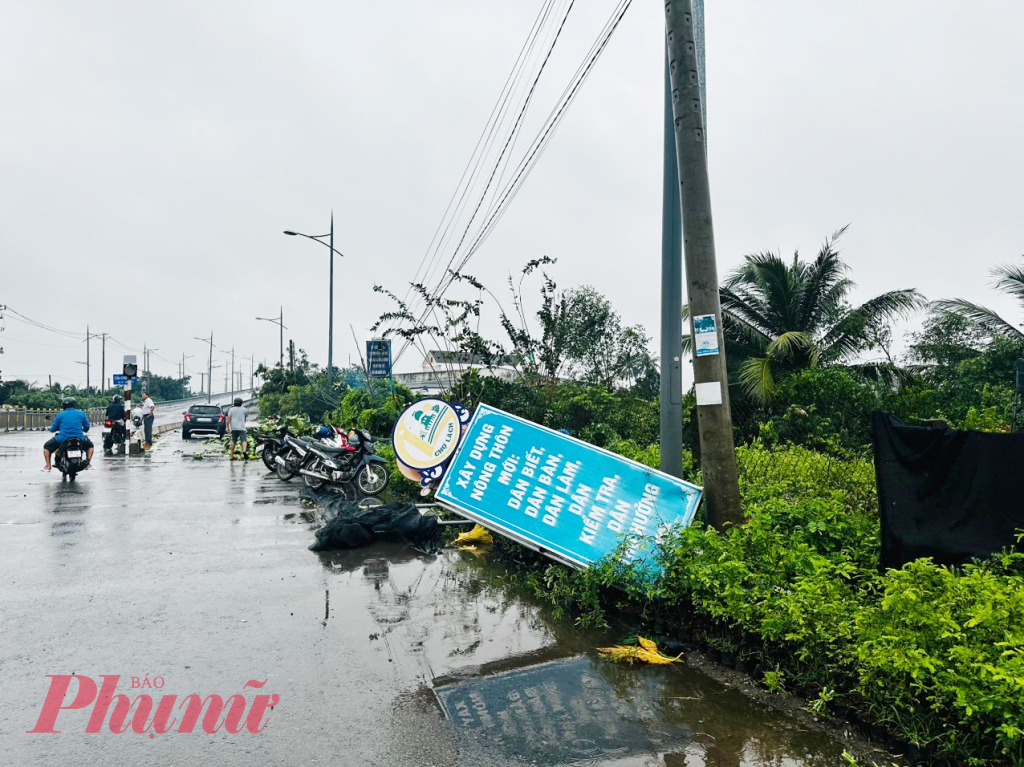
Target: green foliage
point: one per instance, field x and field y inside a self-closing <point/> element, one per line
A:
<point x="19" y="393"/>
<point x="934" y="654"/>
<point x="941" y="657"/>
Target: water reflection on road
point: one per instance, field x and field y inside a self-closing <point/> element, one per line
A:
<point x="197" y="569"/>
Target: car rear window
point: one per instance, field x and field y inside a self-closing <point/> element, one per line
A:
<point x="205" y="410"/>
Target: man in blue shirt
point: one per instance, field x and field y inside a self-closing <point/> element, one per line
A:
<point x="72" y="423"/>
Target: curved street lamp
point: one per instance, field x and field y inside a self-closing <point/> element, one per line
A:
<point x="330" y="321"/>
<point x="280" y="322"/>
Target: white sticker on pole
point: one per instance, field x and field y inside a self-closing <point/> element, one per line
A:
<point x="705" y="335"/>
<point x="709" y="393"/>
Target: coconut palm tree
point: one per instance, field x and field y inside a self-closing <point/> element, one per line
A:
<point x="1009" y="280"/>
<point x="779" y="316"/>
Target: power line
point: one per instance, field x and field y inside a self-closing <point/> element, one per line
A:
<point x="469" y="174"/>
<point x="526" y="165"/>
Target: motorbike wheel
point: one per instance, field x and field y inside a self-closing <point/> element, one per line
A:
<point x="285" y="471"/>
<point x="372" y="479"/>
<point x="268" y="458"/>
<point x="314" y="483"/>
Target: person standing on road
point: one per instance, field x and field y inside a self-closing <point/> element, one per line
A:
<point x="237" y="416"/>
<point x="148" y="407"/>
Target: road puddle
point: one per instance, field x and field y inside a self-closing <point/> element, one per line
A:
<point x="504" y="683"/>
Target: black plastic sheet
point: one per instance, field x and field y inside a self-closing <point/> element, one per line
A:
<point x="945" y="494"/>
<point x="348" y="526"/>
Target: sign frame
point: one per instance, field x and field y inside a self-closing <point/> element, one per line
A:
<point x="378" y="358"/>
<point x="564" y="556"/>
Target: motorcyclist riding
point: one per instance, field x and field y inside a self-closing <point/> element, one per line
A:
<point x="71" y="423"/>
<point x="116" y="418"/>
<point x="115" y="410"/>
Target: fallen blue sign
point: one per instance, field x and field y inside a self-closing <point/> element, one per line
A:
<point x="572" y="501"/>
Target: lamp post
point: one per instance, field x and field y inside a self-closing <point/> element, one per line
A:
<point x="330" y="320"/>
<point x="209" y="378"/>
<point x="279" y="321"/>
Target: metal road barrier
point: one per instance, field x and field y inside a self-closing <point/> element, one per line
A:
<point x="25" y="419"/>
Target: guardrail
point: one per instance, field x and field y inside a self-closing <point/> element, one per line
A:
<point x="25" y="419"/>
<point x="30" y="419"/>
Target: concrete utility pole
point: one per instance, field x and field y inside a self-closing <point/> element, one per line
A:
<point x="88" y="338"/>
<point x="103" y="364"/>
<point x="714" y="415"/>
<point x="671" y="301"/>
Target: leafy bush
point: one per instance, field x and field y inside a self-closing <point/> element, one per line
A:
<point x="933" y="654"/>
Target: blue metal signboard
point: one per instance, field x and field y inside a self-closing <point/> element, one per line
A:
<point x="120" y="380"/>
<point x="378" y="358"/>
<point x="552" y="492"/>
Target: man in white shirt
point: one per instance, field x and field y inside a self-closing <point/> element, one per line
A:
<point x="237" y="417"/>
<point x="147" y="417"/>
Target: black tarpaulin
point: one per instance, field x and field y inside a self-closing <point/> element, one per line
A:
<point x="945" y="494"/>
<point x="348" y="526"/>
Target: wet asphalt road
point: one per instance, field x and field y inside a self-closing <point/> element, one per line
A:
<point x="197" y="571"/>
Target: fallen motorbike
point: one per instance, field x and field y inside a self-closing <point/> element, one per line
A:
<point x="70" y="458"/>
<point x="353" y="461"/>
<point x="114" y="434"/>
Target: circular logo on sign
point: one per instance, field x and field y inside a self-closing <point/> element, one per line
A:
<point x="426" y="434"/>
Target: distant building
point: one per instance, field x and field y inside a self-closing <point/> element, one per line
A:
<point x="442" y="369"/>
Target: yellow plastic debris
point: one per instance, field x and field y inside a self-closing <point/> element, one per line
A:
<point x="477" y="536"/>
<point x="647" y="652"/>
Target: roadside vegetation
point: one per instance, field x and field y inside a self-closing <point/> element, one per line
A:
<point x="20" y="393"/>
<point x="929" y="655"/>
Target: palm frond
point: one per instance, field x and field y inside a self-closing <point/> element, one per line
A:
<point x="788" y="344"/>
<point x="756" y="379"/>
<point x="848" y="335"/>
<point x="983" y="316"/>
<point x="887" y="373"/>
<point x="825" y="283"/>
<point x="1011" y="280"/>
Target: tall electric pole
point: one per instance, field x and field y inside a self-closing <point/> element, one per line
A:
<point x="103" y="364"/>
<point x="88" y="359"/>
<point x="714" y="416"/>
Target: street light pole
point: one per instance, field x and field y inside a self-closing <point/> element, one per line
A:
<point x="330" y="321"/>
<point x="279" y="321"/>
<point x="209" y="378"/>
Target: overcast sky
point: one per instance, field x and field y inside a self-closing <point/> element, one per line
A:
<point x="152" y="153"/>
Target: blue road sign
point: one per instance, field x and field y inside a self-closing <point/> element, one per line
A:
<point x="552" y="492"/>
<point x="120" y="380"/>
<point x="378" y="358"/>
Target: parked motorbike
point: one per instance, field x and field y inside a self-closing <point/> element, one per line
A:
<point x="70" y="458"/>
<point x="354" y="461"/>
<point x="272" y="444"/>
<point x="114" y="434"/>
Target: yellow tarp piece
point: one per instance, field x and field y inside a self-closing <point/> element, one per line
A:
<point x="478" y="536"/>
<point x="647" y="652"/>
